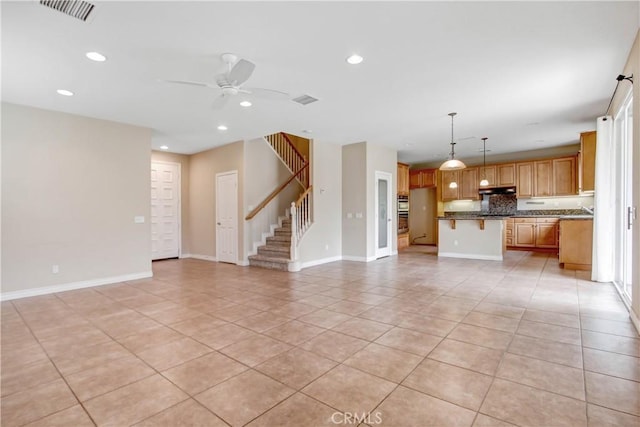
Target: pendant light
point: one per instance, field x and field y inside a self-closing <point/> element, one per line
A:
<point x="484" y="182"/>
<point x="452" y="164"/>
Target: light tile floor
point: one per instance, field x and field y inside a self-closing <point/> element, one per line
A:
<point x="411" y="340"/>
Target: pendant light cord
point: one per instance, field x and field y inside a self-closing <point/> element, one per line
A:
<point x="484" y="157"/>
<point x="452" y="143"/>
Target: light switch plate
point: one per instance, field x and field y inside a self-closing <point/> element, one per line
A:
<point x="138" y="219"/>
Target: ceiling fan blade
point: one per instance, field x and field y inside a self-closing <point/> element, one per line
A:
<point x="191" y="83"/>
<point x="265" y="93"/>
<point x="220" y="102"/>
<point x="241" y="72"/>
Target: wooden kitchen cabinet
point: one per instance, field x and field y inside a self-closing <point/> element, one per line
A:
<point x="542" y="178"/>
<point x="564" y="176"/>
<point x="534" y="233"/>
<point x="576" y="244"/>
<point x="423" y="178"/>
<point x="505" y="175"/>
<point x="547" y="233"/>
<point x="488" y="173"/>
<point x="403" y="179"/>
<point x="403" y="240"/>
<point x="524" y="181"/>
<point x="449" y="193"/>
<point x="469" y="183"/>
<point x="587" y="163"/>
<point x="524" y="232"/>
<point x="509" y="231"/>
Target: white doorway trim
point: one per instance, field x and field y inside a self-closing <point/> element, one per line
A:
<point x="233" y="212"/>
<point x="385" y="251"/>
<point x="179" y="193"/>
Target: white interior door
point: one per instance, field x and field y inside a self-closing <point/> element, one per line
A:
<point x="165" y="210"/>
<point x="227" y="217"/>
<point x="384" y="212"/>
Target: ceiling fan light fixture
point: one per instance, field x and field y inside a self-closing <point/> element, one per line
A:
<point x="355" y="59"/>
<point x="246" y="104"/>
<point x="96" y="56"/>
<point x="452" y="164"/>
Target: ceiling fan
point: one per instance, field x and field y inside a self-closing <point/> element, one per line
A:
<point x="230" y="82"/>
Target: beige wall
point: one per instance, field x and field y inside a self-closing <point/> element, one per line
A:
<point x="71" y="187"/>
<point x="184" y="161"/>
<point x="202" y="202"/>
<point x="354" y="201"/>
<point x="324" y="239"/>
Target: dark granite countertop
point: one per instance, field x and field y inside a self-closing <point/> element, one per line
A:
<point x="548" y="213"/>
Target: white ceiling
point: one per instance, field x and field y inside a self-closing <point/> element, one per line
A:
<point x="527" y="75"/>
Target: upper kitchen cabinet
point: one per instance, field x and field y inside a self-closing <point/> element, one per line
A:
<point x="587" y="163"/>
<point x="449" y="191"/>
<point x="505" y="175"/>
<point x="542" y="177"/>
<point x="403" y="179"/>
<point x="564" y="176"/>
<point x="423" y="178"/>
<point x="524" y="183"/>
<point x="546" y="178"/>
<point x="468" y="187"/>
<point x="488" y="173"/>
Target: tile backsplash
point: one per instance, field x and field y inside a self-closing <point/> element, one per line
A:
<point x="546" y="203"/>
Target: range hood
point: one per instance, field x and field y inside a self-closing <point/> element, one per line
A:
<point x="497" y="190"/>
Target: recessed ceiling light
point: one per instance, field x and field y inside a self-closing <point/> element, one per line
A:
<point x="222" y="127"/>
<point x="355" y="59"/>
<point x="164" y="147"/>
<point x="246" y="104"/>
<point x="64" y="92"/>
<point x="95" y="56"/>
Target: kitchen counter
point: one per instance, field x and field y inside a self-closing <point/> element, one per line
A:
<point x="471" y="237"/>
<point x="562" y="214"/>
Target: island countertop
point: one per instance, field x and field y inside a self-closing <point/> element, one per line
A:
<point x="560" y="213"/>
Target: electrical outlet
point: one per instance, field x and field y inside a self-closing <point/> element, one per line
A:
<point x="55" y="269"/>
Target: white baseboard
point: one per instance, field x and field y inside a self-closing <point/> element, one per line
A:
<point x="321" y="261"/>
<point x="470" y="256"/>
<point x="6" y="296"/>
<point x="202" y="257"/>
<point x="242" y="263"/>
<point x="359" y="258"/>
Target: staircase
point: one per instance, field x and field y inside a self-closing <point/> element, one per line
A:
<point x="276" y="254"/>
<point x="281" y="250"/>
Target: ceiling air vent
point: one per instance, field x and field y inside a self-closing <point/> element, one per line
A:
<point x="75" y="8"/>
<point x="305" y="99"/>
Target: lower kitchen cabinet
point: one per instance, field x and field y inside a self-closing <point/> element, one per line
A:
<point x="576" y="244"/>
<point x="403" y="240"/>
<point x="534" y="233"/>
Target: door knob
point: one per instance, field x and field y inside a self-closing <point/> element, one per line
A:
<point x="218" y="223"/>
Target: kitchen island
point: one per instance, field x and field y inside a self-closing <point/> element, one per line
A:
<point x="472" y="237"/>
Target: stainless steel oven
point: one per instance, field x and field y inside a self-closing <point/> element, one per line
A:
<point x="403" y="214"/>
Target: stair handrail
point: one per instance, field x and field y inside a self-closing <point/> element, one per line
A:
<point x="293" y="146"/>
<point x="274" y="193"/>
<point x="300" y="220"/>
<point x="291" y="163"/>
